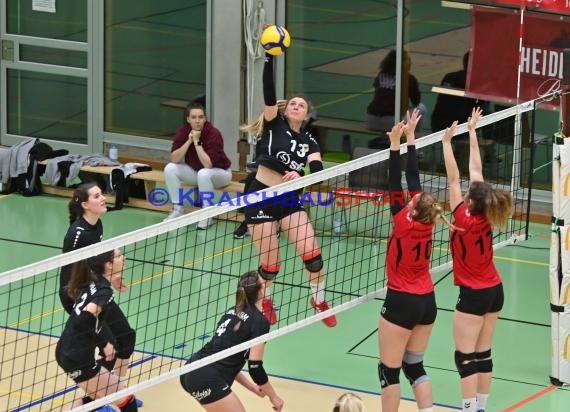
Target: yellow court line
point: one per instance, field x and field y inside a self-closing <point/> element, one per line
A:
<point x="517" y="260"/>
<point x="350" y="96"/>
<point x="3" y="196"/>
<point x="145" y="279"/>
<point x="29" y="396"/>
<point x="34" y="317"/>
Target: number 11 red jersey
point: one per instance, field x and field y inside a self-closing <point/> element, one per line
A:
<point x="472" y="250"/>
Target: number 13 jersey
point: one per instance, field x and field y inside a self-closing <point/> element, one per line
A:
<point x="282" y="149"/>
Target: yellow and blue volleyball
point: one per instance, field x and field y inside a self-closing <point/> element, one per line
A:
<point x="275" y="40"/>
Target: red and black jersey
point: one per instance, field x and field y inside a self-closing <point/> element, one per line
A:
<point x="472" y="250"/>
<point x="282" y="149"/>
<point x="408" y="256"/>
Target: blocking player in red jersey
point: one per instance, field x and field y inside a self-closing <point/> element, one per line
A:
<point x="480" y="287"/>
<point x="409" y="310"/>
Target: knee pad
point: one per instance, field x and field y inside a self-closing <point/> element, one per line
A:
<point x="313" y="261"/>
<point x="465" y="363"/>
<point x="268" y="272"/>
<point x="413" y="368"/>
<point x="388" y="376"/>
<point x="484" y="361"/>
<point x="126" y="343"/>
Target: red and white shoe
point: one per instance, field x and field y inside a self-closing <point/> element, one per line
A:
<point x="321" y="307"/>
<point x="269" y="310"/>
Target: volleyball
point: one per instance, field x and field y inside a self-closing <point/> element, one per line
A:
<point x="275" y="40"/>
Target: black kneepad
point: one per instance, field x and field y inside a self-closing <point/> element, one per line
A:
<point x="415" y="373"/>
<point x="126" y="343"/>
<point x="267" y="274"/>
<point x="388" y="376"/>
<point x="314" y="264"/>
<point x="484" y="362"/>
<point x="465" y="363"/>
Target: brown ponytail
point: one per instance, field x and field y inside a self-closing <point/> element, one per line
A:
<point x="85" y="271"/>
<point x="247" y="293"/>
<point x="428" y="210"/>
<point x="495" y="204"/>
<point x="256" y="127"/>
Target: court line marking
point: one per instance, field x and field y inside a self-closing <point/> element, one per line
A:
<point x="154" y="355"/>
<point x="530" y="398"/>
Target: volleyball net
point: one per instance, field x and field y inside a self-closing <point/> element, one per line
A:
<point x="181" y="280"/>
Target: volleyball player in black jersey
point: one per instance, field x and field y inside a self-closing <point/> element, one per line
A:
<point x="90" y="288"/>
<point x="211" y="385"/>
<point x="85" y="228"/>
<point x="284" y="147"/>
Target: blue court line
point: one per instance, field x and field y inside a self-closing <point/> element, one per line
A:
<point x="45" y="399"/>
<point x="72" y="389"/>
<point x="153" y="355"/>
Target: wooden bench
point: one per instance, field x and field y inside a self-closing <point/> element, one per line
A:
<point x="323" y="125"/>
<point x="150" y="179"/>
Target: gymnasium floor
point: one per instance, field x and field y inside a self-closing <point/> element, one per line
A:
<point x="315" y="364"/>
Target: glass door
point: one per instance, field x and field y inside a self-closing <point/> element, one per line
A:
<point x="45" y="63"/>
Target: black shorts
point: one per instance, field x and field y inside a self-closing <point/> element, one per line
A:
<point x="80" y="369"/>
<point x="480" y="301"/>
<point x="408" y="310"/>
<point x="271" y="209"/>
<point x="206" y="384"/>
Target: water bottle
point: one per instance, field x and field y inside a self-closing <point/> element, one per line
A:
<point x="337" y="225"/>
<point x="114" y="153"/>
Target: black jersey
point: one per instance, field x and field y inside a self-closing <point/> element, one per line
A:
<point x="282" y="149"/>
<point x="253" y="324"/>
<point x="80" y="234"/>
<point x="76" y="341"/>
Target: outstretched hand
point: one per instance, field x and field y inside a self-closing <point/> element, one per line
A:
<point x="449" y="133"/>
<point x="396" y="133"/>
<point x="476" y="115"/>
<point x="412" y="121"/>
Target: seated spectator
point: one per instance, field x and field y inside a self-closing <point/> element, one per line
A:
<point x="380" y="112"/>
<point x="198" y="158"/>
<point x="450" y="108"/>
